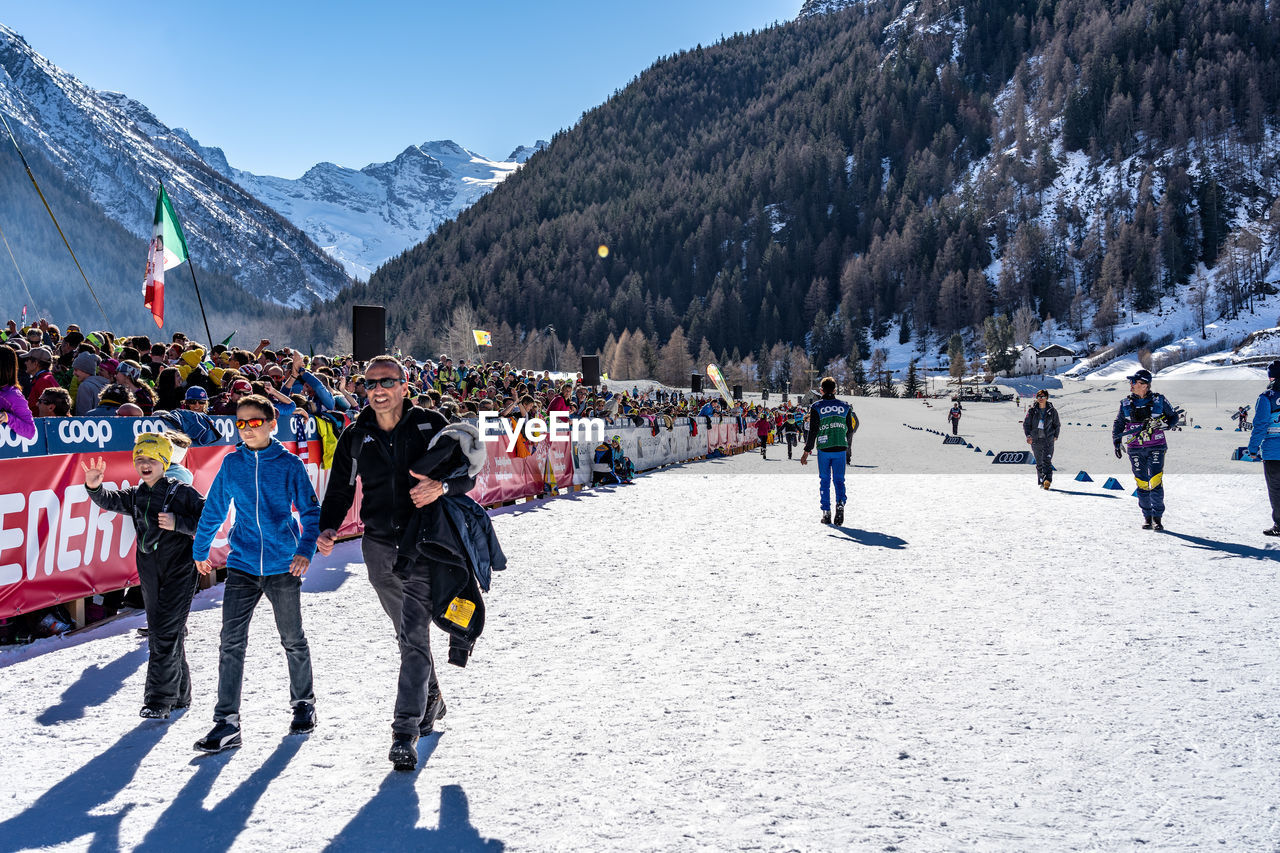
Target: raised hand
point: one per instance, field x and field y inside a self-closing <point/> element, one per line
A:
<point x="94" y="472"/>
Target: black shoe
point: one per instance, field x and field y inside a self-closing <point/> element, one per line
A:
<point x="826" y="517"/>
<point x="1156" y="525"/>
<point x="403" y="754"/>
<point x="154" y="711"/>
<point x="304" y="718"/>
<point x="839" y="514"/>
<point x="225" y="734"/>
<point x="1147" y="525"/>
<point x="435" y="711"/>
<point x="1273" y="530"/>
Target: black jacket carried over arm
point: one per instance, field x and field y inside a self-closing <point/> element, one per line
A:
<point x="452" y="540"/>
<point x="383" y="468"/>
<point x="143" y="503"/>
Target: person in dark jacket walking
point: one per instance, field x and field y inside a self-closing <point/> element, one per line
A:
<point x="270" y="552"/>
<point x="791" y="432"/>
<point x="387" y="437"/>
<point x="1264" y="442"/>
<point x="165" y="513"/>
<point x="1139" y="427"/>
<point x="832" y="424"/>
<point x="954" y="417"/>
<point x="1041" y="427"/>
<point x="446" y="557"/>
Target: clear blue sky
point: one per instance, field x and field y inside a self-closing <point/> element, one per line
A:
<point x="281" y="85"/>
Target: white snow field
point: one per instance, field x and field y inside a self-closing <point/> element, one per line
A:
<point x="695" y="663"/>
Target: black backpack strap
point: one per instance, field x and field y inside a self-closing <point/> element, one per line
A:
<point x="358" y="436"/>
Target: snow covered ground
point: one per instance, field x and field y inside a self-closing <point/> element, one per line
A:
<point x="694" y="663"/>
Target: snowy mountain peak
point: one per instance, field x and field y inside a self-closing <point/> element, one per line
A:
<point x="365" y="217"/>
<point x="118" y="151"/>
<point x="524" y="152"/>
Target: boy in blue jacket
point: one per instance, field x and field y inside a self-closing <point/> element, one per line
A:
<point x="270" y="552"/>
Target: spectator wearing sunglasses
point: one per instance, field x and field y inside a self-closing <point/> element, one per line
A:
<point x="270" y="552"/>
<point x="53" y="403"/>
<point x="387" y="437"/>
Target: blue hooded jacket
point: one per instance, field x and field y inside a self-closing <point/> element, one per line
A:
<point x="1264" y="440"/>
<point x="265" y="486"/>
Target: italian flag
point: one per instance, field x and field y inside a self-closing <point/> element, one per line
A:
<point x="168" y="250"/>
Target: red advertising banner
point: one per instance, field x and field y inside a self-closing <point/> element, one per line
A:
<point x="506" y="477"/>
<point x="57" y="545"/>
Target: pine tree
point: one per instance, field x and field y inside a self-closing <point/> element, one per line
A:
<point x="911" y="387"/>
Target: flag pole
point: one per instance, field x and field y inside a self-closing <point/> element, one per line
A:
<point x="208" y="333"/>
<point x="40" y="193"/>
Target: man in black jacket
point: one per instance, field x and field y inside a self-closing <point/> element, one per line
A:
<point x="165" y="513"/>
<point x="387" y="437"/>
<point x="1041" y="426"/>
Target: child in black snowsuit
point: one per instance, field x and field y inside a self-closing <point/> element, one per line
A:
<point x="446" y="558"/>
<point x="165" y="513"/>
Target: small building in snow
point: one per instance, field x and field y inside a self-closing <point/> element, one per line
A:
<point x="1052" y="357"/>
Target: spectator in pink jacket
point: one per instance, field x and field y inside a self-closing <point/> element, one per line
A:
<point x="14" y="411"/>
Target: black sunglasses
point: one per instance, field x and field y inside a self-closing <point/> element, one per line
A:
<point x="386" y="382"/>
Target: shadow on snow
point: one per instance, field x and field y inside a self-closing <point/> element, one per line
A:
<point x="389" y="821"/>
<point x="871" y="538"/>
<point x="1228" y="549"/>
<point x="187" y="825"/>
<point x="94" y="687"/>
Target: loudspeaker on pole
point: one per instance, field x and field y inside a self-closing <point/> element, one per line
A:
<point x="737" y="392"/>
<point x="695" y="383"/>
<point x="368" y="331"/>
<point x="591" y="370"/>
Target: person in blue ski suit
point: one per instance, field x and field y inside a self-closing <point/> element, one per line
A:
<point x="832" y="424"/>
<point x="1264" y="442"/>
<point x="1139" y="428"/>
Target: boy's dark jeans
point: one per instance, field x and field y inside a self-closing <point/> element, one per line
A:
<point x="166" y="595"/>
<point x="240" y="596"/>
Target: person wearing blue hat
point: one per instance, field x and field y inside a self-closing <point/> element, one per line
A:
<point x="1264" y="442"/>
<point x="196" y="399"/>
<point x="1139" y="429"/>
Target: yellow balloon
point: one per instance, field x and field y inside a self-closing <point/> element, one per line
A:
<point x="603" y="251"/>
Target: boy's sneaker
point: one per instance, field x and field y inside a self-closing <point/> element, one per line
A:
<point x="1273" y="530"/>
<point x="826" y="517"/>
<point x="839" y="520"/>
<point x="304" y="718"/>
<point x="435" y="711"/>
<point x="1156" y="525"/>
<point x="154" y="711"/>
<point x="225" y="734"/>
<point x="403" y="754"/>
<point x="1147" y="524"/>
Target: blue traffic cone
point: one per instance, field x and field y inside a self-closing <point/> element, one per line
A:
<point x="1112" y="483"/>
<point x="1083" y="477"/>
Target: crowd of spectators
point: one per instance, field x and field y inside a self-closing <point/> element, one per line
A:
<point x="47" y="372"/>
<point x="61" y="373"/>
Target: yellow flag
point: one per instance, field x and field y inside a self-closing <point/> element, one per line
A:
<point x="482" y="337"/>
